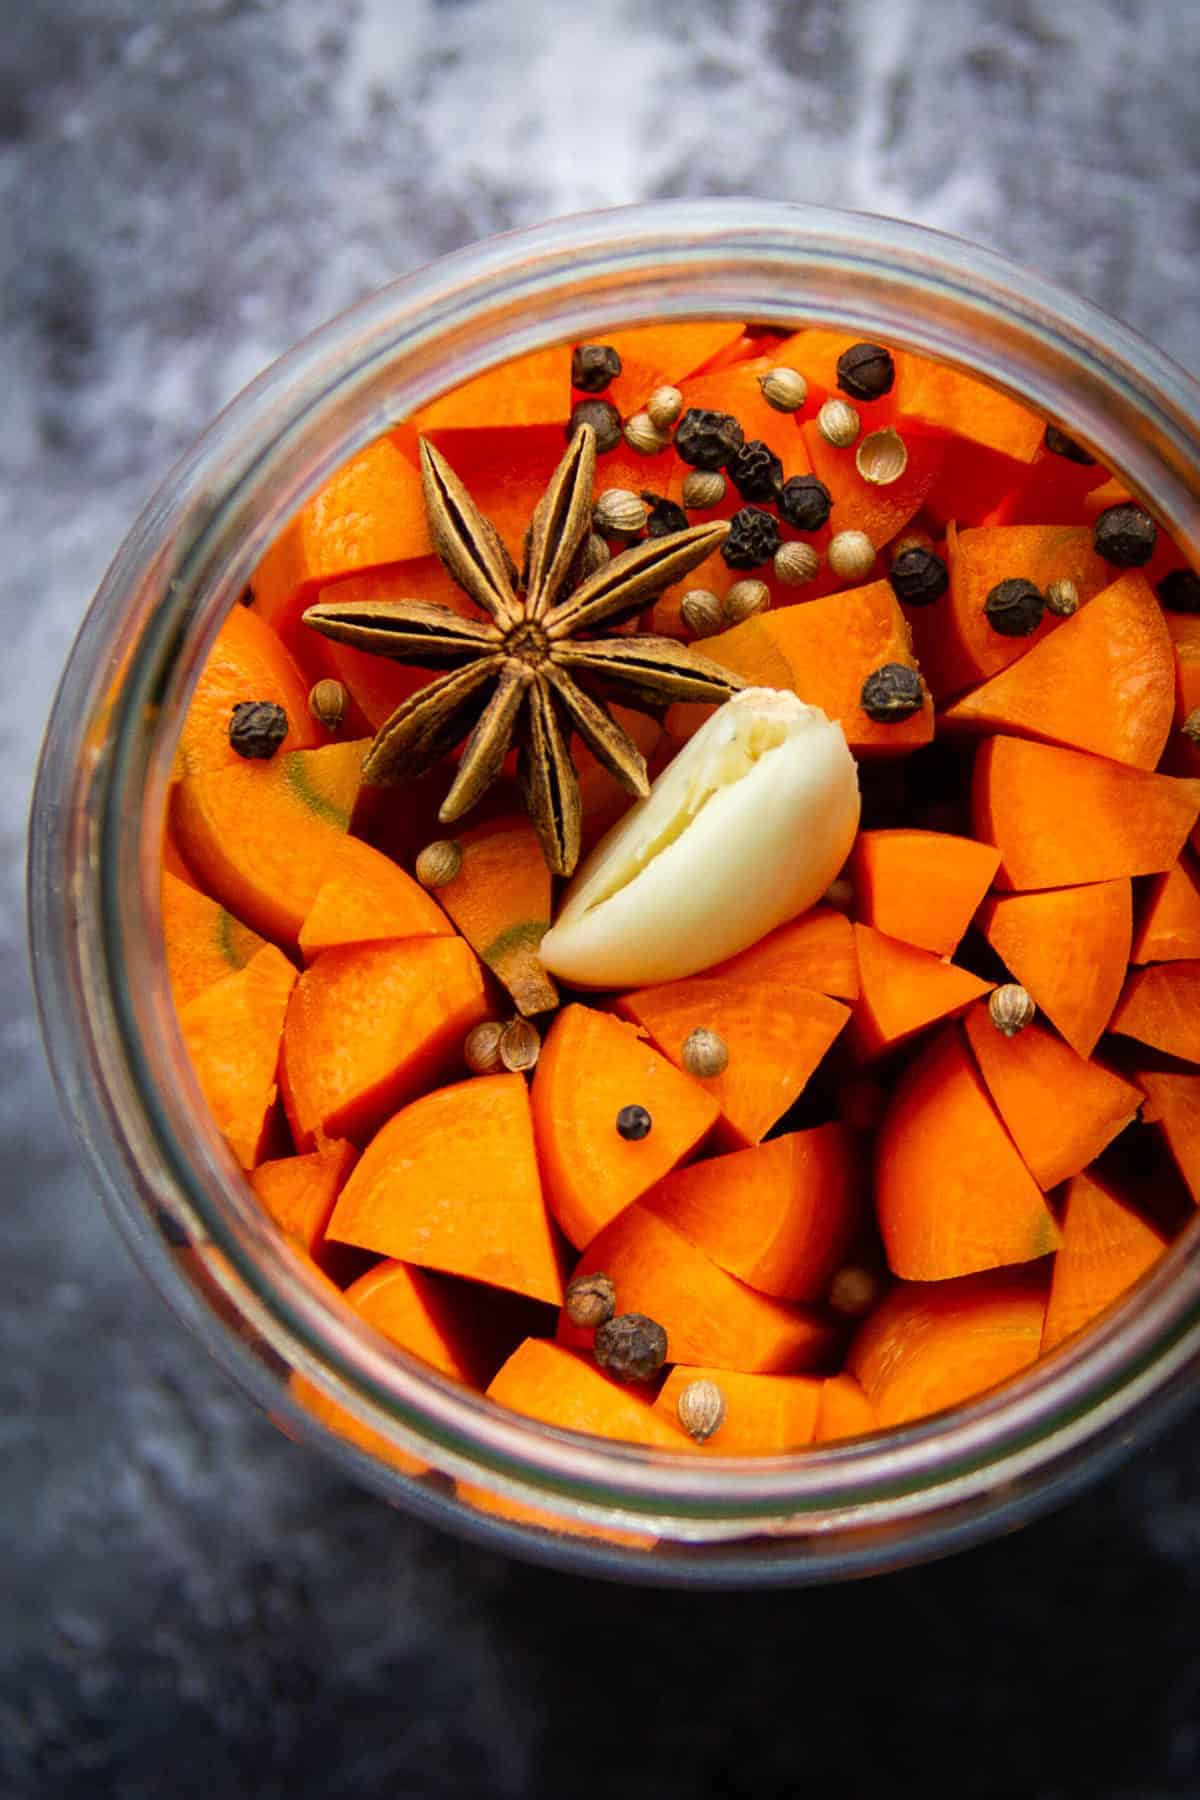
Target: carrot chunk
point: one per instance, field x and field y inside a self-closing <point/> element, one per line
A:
<point x="922" y="887"/>
<point x="232" y="1031"/>
<point x="1068" y="948"/>
<point x="1106" y="1247"/>
<point x="903" y="990"/>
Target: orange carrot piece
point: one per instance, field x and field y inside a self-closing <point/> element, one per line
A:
<point x="814" y="353"/>
<point x="903" y="990"/>
<point x="421" y="1314"/>
<point x="657" y="355"/>
<point x="369" y="903"/>
<point x="843" y="1411"/>
<point x="501" y="900"/>
<point x="203" y="942"/>
<point x="860" y="505"/>
<point x="299" y="1193"/>
<point x="974" y="490"/>
<point x="1102" y="683"/>
<point x="263" y="837"/>
<point x="247" y="662"/>
<point x="451" y="1183"/>
<point x="532" y="389"/>
<point x="1060" y="1110"/>
<point x="591" y="1066"/>
<point x="1051" y="490"/>
<point x="951" y="1191"/>
<point x="1161" y="1007"/>
<point x="1173" y="1104"/>
<point x="814" y="951"/>
<point x="707" y="1315"/>
<point x="782" y="1216"/>
<point x="931" y="1345"/>
<point x="738" y="390"/>
<point x="232" y="1032"/>
<point x="775" y="1037"/>
<point x="922" y="887"/>
<point x="1068" y="947"/>
<point x="547" y="1382"/>
<point x="372" y="1025"/>
<point x="1169" y="929"/>
<point x="1106" y="1247"/>
<point x="823" y="651"/>
<point x="765" y="1415"/>
<point x="944" y="399"/>
<point x="1060" y="818"/>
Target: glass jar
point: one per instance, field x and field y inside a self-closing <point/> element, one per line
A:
<point x="96" y="835"/>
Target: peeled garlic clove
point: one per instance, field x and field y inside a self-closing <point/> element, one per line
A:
<point x="745" y="829"/>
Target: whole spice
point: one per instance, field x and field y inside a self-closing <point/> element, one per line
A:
<point x="745" y="598"/>
<point x="633" y="1123"/>
<point x="918" y="577"/>
<point x="853" y="1291"/>
<point x="753" y="538"/>
<point x="665" y="516"/>
<point x="892" y="693"/>
<point x="706" y="439"/>
<point x="1059" y="444"/>
<point x="593" y="366"/>
<point x="702" y="489"/>
<point x="1125" y="535"/>
<point x="257" y="728"/>
<point x="590" y="1300"/>
<point x="619" y="512"/>
<point x="705" y="1053"/>
<point x="755" y="471"/>
<point x="805" y="502"/>
<point x="327" y="701"/>
<point x="438" y="863"/>
<point x="592" y="554"/>
<point x="1191" y="726"/>
<point x="1180" y="591"/>
<point x="700" y="610"/>
<point x="851" y="555"/>
<point x="1062" y="598"/>
<point x="910" y="540"/>
<point x="644" y="436"/>
<point x="520" y="1046"/>
<point x="481" y="1048"/>
<point x="700" y="1409"/>
<point x="1014" y="608"/>
<point x="664" y="407"/>
<point x="882" y="457"/>
<point x="604" y="420"/>
<point x="838" y="423"/>
<point x="630" y="1347"/>
<point x="1010" y="1008"/>
<point x="784" y="389"/>
<point x="840" y="895"/>
<point x="866" y="371"/>
<point x="796" y="563"/>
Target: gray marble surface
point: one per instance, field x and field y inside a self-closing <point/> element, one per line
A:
<point x="189" y="1605"/>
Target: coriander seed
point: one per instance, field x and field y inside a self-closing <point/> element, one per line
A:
<point x="1059" y="444"/>
<point x="520" y="1046"/>
<point x="853" y="1291"/>
<point x="590" y="1300"/>
<point x="784" y="389"/>
<point x="700" y="610"/>
<point x="633" y="1123"/>
<point x="630" y="1347"/>
<point x="700" y="1409"/>
<point x="604" y="420"/>
<point x="1180" y="591"/>
<point x="882" y="457"/>
<point x="753" y="539"/>
<point x="918" y="577"/>
<point x="438" y="863"/>
<point x="481" y="1048"/>
<point x="706" y="439"/>
<point x="257" y="728"/>
<point x="665" y="516"/>
<point x="593" y="366"/>
<point x="327" y="702"/>
<point x="911" y="540"/>
<point x="866" y="371"/>
<point x="805" y="502"/>
<point x="664" y="407"/>
<point x="1125" y="535"/>
<point x="619" y="512"/>
<point x="744" y="599"/>
<point x="1191" y="726"/>
<point x="851" y="555"/>
<point x="702" y="489"/>
<point x="795" y="564"/>
<point x="755" y="471"/>
<point x="838" y="423"/>
<point x="892" y="693"/>
<point x="643" y="435"/>
<point x="1014" y="608"/>
<point x="1010" y="1008"/>
<point x="705" y="1053"/>
<point x="1062" y="598"/>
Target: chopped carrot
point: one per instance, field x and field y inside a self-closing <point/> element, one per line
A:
<point x="500" y="900"/>
<point x="371" y="902"/>
<point x="1068" y="947"/>
<point x="765" y="1415"/>
<point x="843" y="1411"/>
<point x="533" y="389"/>
<point x="922" y="887"/>
<point x="1106" y="1247"/>
<point x="1161" y="1007"/>
<point x="860" y="505"/>
<point x="738" y="390"/>
<point x="299" y="1193"/>
<point x="903" y="990"/>
<point x="203" y="941"/>
<point x="247" y="662"/>
<point x="232" y="1031"/>
<point x="1169" y="928"/>
<point x="662" y="355"/>
<point x="945" y="399"/>
<point x="814" y="951"/>
<point x="1173" y="1104"/>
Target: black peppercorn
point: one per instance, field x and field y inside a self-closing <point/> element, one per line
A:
<point x="805" y="502"/>
<point x="755" y="471"/>
<point x="604" y="420"/>
<point x="1059" y="444"/>
<point x="631" y="1347"/>
<point x="633" y="1122"/>
<point x="593" y="366"/>
<point x="753" y="538"/>
<point x="664" y="517"/>
<point x="919" y="577"/>
<point x="1125" y="535"/>
<point x="1014" y="608"/>
<point x="866" y="371"/>
<point x="707" y="439"/>
<point x="257" y="728"/>
<point x="1180" y="591"/>
<point x="892" y="693"/>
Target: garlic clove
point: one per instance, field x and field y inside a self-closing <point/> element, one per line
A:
<point x="744" y="830"/>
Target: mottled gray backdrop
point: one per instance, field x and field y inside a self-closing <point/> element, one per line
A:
<point x="188" y="1605"/>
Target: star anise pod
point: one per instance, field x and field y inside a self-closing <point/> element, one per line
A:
<point x="524" y="672"/>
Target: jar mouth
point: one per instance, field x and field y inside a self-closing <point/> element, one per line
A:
<point x="103" y="783"/>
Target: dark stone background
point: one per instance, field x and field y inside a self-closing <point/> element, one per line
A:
<point x="189" y="1605"/>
